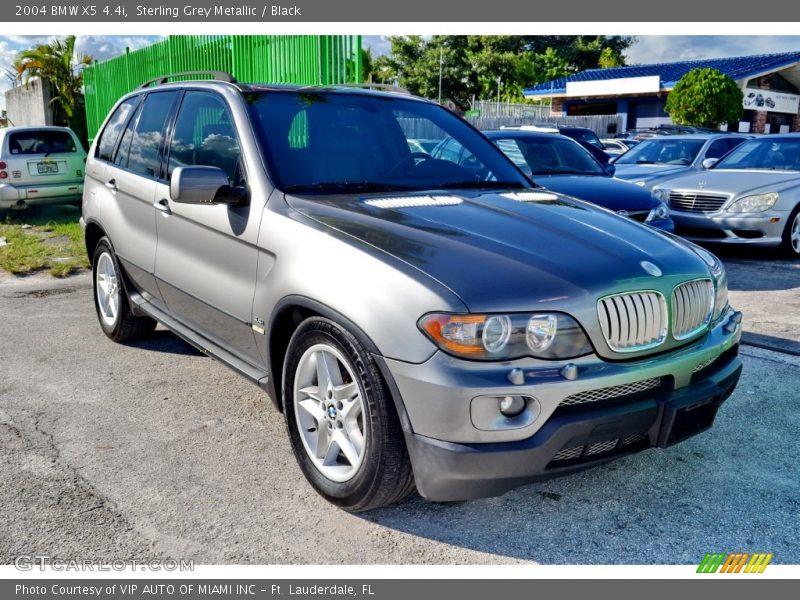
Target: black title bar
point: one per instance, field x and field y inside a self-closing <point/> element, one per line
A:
<point x="615" y="11"/>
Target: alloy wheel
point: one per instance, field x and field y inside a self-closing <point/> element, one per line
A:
<point x="107" y="288"/>
<point x="329" y="406"/>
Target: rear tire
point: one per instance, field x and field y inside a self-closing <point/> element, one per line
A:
<point x="791" y="235"/>
<point x="110" y="299"/>
<point x="341" y="419"/>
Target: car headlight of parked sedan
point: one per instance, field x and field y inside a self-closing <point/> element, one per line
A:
<point x="658" y="213"/>
<point x="506" y="336"/>
<point x="660" y="194"/>
<point x="753" y="204"/>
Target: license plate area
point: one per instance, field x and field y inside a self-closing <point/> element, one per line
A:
<point x="47" y="168"/>
<point x="684" y="421"/>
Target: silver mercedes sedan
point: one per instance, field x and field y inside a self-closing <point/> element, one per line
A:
<point x="751" y="196"/>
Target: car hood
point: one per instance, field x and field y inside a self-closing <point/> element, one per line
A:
<point x="497" y="253"/>
<point x="735" y="182"/>
<point x="646" y="172"/>
<point x="609" y="192"/>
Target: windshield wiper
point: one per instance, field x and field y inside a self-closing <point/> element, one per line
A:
<point x="346" y="186"/>
<point x="645" y="162"/>
<point x="569" y="172"/>
<point x="477" y="185"/>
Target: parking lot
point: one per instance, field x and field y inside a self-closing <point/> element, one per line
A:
<point x="153" y="450"/>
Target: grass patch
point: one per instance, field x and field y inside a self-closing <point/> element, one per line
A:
<point x="45" y="238"/>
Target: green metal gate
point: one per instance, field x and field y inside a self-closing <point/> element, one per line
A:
<point x="304" y="59"/>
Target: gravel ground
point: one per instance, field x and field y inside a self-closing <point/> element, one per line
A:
<point x="152" y="450"/>
<point x="767" y="290"/>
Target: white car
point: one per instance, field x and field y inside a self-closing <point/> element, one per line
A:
<point x="750" y="197"/>
<point x="40" y="165"/>
<point x="617" y="147"/>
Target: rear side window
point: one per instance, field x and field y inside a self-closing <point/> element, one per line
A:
<point x="205" y="136"/>
<point x="113" y="129"/>
<point x="123" y="151"/>
<point x="44" y="141"/>
<point x="143" y="156"/>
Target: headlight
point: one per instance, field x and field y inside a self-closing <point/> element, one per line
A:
<point x="754" y="204"/>
<point x="503" y="337"/>
<point x="660" y="194"/>
<point x="658" y="213"/>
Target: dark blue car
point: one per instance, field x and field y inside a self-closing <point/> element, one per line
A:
<point x="560" y="164"/>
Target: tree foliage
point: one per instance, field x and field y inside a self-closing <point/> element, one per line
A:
<point x="59" y="64"/>
<point x="472" y="65"/>
<point x="705" y="98"/>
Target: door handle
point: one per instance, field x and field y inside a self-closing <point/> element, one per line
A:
<point x="163" y="206"/>
<point x="112" y="185"/>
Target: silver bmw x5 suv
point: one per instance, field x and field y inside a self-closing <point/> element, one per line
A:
<point x="420" y="323"/>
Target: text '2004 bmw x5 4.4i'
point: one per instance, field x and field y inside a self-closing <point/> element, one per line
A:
<point x="418" y="321"/>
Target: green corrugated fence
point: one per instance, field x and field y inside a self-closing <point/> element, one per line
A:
<point x="305" y="59"/>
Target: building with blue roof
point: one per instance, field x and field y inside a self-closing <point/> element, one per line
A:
<point x="638" y="93"/>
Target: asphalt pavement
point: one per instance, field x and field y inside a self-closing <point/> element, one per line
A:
<point x="153" y="450"/>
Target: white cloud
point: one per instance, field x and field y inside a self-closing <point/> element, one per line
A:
<point x="674" y="48"/>
<point x="378" y="44"/>
<point x="102" y="47"/>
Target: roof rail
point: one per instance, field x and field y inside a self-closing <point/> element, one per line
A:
<point x="385" y="87"/>
<point x="215" y="76"/>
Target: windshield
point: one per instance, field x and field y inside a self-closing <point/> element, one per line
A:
<point x="335" y="142"/>
<point x="549" y="156"/>
<point x="663" y="151"/>
<point x="771" y="154"/>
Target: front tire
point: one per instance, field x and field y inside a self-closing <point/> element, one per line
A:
<point x="111" y="301"/>
<point x="341" y="419"/>
<point x="791" y="235"/>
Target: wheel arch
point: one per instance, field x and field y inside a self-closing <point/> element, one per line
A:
<point x="91" y="236"/>
<point x="288" y="314"/>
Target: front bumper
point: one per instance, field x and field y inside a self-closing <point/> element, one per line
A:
<point x="761" y="229"/>
<point x="445" y="471"/>
<point x="454" y="460"/>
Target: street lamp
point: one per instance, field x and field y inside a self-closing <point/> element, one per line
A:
<point x="441" y="65"/>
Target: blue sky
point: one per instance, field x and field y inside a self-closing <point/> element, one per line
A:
<point x="672" y="48"/>
<point x="647" y="49"/>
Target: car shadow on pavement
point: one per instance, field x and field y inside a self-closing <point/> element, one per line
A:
<point x="166" y="342"/>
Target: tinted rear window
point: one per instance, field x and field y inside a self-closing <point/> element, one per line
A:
<point x="41" y="142"/>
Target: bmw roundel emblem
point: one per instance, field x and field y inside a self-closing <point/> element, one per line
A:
<point x="651" y="268"/>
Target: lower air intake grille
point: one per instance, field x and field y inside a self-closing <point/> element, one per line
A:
<point x="611" y="392"/>
<point x="601" y="447"/>
<point x="569" y="453"/>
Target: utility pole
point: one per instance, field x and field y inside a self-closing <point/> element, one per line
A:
<point x="441" y="65"/>
<point x="499" y="85"/>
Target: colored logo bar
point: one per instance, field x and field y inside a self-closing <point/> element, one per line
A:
<point x="734" y="562"/>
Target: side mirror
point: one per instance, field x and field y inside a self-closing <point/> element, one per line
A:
<point x="709" y="162"/>
<point x="610" y="168"/>
<point x="201" y="185"/>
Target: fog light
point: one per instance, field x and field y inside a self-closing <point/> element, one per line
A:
<point x="512" y="406"/>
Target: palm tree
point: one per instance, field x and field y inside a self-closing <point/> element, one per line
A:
<point x="58" y="63"/>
